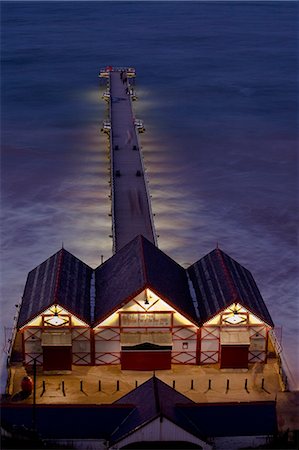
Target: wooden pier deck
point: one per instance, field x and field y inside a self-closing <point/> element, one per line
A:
<point x="131" y="208"/>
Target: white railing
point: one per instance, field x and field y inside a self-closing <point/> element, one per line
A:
<point x="112" y="180"/>
<point x="276" y="344"/>
<point x="106" y="127"/>
<point x="14" y="331"/>
<point x="146" y="183"/>
<point x="285" y="373"/>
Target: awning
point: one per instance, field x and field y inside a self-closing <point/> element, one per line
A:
<point x="56" y="339"/>
<point x="232" y="337"/>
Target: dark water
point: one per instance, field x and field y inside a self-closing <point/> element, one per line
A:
<point x="217" y="85"/>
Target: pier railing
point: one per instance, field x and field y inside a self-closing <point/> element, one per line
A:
<point x="283" y="368"/>
<point x="112" y="177"/>
<point x="146" y="182"/>
<point x="13" y="333"/>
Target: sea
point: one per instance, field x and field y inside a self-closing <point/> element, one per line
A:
<point x="217" y="87"/>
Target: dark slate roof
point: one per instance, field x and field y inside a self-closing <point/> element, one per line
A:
<point x="153" y="399"/>
<point x="67" y="421"/>
<point x="150" y="400"/>
<point x="234" y="419"/>
<point x="219" y="281"/>
<point x="139" y="265"/>
<point x="61" y="279"/>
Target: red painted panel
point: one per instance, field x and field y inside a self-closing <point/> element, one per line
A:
<point x="57" y="358"/>
<point x="234" y="357"/>
<point x="146" y="360"/>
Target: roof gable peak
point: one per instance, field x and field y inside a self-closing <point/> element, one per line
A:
<point x="159" y="390"/>
<point x="137" y="266"/>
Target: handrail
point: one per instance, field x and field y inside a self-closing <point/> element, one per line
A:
<point x="285" y="373"/>
<point x="112" y="177"/>
<point x="13" y="334"/>
<point x="146" y="182"/>
<point x="108" y="128"/>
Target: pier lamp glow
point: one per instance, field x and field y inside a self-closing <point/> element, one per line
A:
<point x="56" y="320"/>
<point x="235" y="316"/>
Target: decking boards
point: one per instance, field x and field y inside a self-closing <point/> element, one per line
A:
<point x="131" y="211"/>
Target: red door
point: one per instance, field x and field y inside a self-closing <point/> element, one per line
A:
<point x="234" y="357"/>
<point x="57" y="358"/>
<point x="146" y="360"/>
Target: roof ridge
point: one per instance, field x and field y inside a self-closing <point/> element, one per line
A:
<point x="227" y="274"/>
<point x="156" y="394"/>
<point x="142" y="259"/>
<point x="158" y="250"/>
<point x="58" y="275"/>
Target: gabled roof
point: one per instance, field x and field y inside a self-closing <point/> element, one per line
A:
<point x="150" y="400"/>
<point x="219" y="281"/>
<point x="139" y="265"/>
<point x="153" y="399"/>
<point x="62" y="279"/>
<point x="65" y="421"/>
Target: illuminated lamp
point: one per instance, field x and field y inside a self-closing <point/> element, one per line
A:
<point x="56" y="320"/>
<point x="236" y="318"/>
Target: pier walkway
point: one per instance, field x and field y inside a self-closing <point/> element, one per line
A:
<point x="131" y="208"/>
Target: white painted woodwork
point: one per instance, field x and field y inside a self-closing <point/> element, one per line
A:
<point x="161" y="430"/>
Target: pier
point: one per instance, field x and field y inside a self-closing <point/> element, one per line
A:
<point x="100" y="341"/>
<point x="131" y="206"/>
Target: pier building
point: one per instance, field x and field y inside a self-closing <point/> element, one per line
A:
<point x="148" y="312"/>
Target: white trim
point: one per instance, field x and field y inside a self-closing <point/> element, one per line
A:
<point x="159" y="430"/>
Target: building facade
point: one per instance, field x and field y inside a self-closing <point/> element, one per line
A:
<point x="142" y="310"/>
